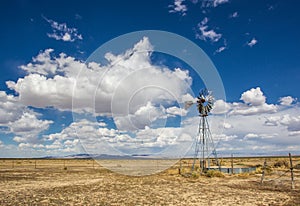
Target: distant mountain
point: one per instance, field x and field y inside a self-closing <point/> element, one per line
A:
<point x="98" y="156"/>
<point x="79" y="156"/>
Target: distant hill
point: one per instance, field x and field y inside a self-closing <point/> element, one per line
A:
<point x="98" y="156"/>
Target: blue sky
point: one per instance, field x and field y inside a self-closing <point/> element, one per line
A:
<point x="254" y="45"/>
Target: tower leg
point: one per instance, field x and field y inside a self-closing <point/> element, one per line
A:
<point x="204" y="144"/>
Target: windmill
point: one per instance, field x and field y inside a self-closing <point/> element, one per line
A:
<point x="204" y="143"/>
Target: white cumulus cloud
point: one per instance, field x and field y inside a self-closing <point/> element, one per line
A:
<point x="129" y="77"/>
<point x="254" y="97"/>
<point x="220" y="107"/>
<point x="292" y="122"/>
<point x="10" y="109"/>
<point x="29" y="124"/>
<point x="176" y="111"/>
<point x="98" y="140"/>
<point x="287" y="101"/>
<point x="254" y="103"/>
<point x="28" y="127"/>
<point x="19" y="120"/>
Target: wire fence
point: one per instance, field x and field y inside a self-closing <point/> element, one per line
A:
<point x="274" y="170"/>
<point x="290" y="172"/>
<point x="15" y="164"/>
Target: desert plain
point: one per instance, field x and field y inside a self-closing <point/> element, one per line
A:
<point x="86" y="182"/>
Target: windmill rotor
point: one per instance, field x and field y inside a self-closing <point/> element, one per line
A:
<point x="205" y="102"/>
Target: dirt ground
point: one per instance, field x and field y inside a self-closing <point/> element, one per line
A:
<point x="94" y="185"/>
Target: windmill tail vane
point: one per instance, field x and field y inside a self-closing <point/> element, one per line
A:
<point x="188" y="104"/>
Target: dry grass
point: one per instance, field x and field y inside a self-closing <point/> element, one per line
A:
<point x="214" y="173"/>
<point x="84" y="184"/>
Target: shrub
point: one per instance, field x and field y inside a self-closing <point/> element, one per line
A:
<point x="281" y="163"/>
<point x="259" y="170"/>
<point x="214" y="173"/>
<point x="195" y="174"/>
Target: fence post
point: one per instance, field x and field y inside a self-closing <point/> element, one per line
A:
<point x="35" y="164"/>
<point x="180" y="167"/>
<point x="292" y="173"/>
<point x="232" y="164"/>
<point x="13" y="164"/>
<point x="263" y="172"/>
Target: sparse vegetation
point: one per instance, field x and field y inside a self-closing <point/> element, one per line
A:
<point x="214" y="173"/>
<point x="86" y="184"/>
<point x="195" y="174"/>
<point x="246" y="174"/>
<point x="259" y="169"/>
<point x="281" y="163"/>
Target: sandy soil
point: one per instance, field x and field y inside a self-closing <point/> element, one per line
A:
<point x="98" y="186"/>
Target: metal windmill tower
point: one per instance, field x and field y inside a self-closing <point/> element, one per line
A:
<point x="204" y="144"/>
